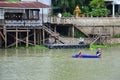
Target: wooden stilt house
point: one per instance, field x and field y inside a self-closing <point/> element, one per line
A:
<point x="21" y="24"/>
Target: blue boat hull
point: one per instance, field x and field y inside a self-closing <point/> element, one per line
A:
<point x="85" y="56"/>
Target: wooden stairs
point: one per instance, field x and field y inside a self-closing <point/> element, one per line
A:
<point x="53" y="34"/>
<point x="81" y="30"/>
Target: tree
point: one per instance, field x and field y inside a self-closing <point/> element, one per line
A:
<point x="98" y="8"/>
<point x="93" y="7"/>
<point x="97" y="4"/>
<point x="61" y="4"/>
<point x="68" y="5"/>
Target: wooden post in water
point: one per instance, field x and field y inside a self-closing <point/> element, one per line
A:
<point x="27" y="38"/>
<point x="55" y="29"/>
<point x="43" y="36"/>
<point x="37" y="37"/>
<point x="16" y="37"/>
<point x="73" y="32"/>
<point x="5" y="33"/>
<point x="40" y="36"/>
<point x="34" y="36"/>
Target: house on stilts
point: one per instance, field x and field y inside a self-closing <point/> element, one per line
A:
<point x="21" y="23"/>
<point x="24" y="23"/>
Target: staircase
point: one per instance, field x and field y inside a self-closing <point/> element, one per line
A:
<point x="81" y="30"/>
<point x="95" y="39"/>
<point x="53" y="34"/>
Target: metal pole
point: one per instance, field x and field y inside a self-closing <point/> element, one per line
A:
<point x="113" y="10"/>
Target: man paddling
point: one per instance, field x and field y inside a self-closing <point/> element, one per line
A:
<point x="98" y="52"/>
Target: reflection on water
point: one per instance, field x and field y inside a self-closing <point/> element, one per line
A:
<point x="57" y="64"/>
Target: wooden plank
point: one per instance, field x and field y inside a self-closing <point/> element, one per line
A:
<point x="5" y="38"/>
<point x="16" y="38"/>
<point x="2" y="36"/>
<point x="18" y="30"/>
<point x="34" y="37"/>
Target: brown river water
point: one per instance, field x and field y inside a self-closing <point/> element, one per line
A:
<point x="57" y="64"/>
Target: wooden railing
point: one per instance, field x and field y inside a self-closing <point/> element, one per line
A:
<point x="82" y="21"/>
<point x="22" y="23"/>
<point x="88" y="21"/>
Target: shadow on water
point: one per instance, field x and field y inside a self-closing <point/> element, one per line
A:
<point x="57" y="64"/>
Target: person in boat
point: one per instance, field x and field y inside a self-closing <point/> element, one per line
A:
<point x="80" y="54"/>
<point x="98" y="52"/>
<point x="81" y="40"/>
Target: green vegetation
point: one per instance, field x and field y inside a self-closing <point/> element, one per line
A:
<point x="68" y="5"/>
<point x="79" y="34"/>
<point x="95" y="8"/>
<point x="95" y="4"/>
<point x="38" y="47"/>
<point x="33" y="47"/>
<point x="67" y="14"/>
<point x="98" y="8"/>
<point x="95" y="46"/>
<point x="116" y="36"/>
<point x="13" y="0"/>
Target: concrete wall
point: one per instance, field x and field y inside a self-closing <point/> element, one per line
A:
<point x="115" y="41"/>
<point x="89" y="25"/>
<point x="112" y="30"/>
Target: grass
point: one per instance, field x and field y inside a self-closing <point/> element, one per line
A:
<point x="30" y="47"/>
<point x="38" y="47"/>
<point x="95" y="46"/>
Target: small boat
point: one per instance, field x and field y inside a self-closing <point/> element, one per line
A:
<point x="85" y="56"/>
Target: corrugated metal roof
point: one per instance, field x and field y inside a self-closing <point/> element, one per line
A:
<point x="5" y="4"/>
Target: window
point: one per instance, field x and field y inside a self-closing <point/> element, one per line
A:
<point x="13" y="16"/>
<point x="32" y="14"/>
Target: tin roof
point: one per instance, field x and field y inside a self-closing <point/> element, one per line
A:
<point x="5" y="4"/>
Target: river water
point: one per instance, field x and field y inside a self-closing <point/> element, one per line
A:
<point x="57" y="64"/>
